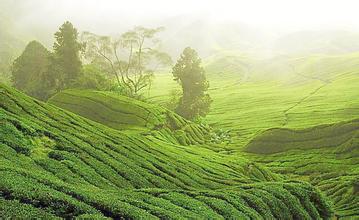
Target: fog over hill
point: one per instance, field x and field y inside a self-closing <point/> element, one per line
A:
<point x="207" y="31"/>
<point x="179" y="109"/>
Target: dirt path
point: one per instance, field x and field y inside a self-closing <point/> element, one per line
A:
<point x="325" y="83"/>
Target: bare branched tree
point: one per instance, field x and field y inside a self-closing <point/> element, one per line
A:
<point x="132" y="58"/>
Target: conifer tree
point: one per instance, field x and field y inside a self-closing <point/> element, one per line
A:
<point x="195" y="102"/>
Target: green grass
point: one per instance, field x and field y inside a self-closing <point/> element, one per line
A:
<point x="56" y="164"/>
<point x="326" y="155"/>
<point x="126" y="114"/>
<point x="344" y="136"/>
<point x="256" y="95"/>
<point x="281" y="105"/>
<point x="296" y="116"/>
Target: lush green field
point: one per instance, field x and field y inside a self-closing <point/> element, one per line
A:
<point x="55" y="164"/>
<point x="255" y="99"/>
<point x="291" y="121"/>
<point x="254" y="95"/>
<point x="130" y="115"/>
<point x="326" y="155"/>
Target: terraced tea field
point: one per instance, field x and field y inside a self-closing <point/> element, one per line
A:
<point x="130" y="115"/>
<point x="55" y="164"/>
<point x="250" y="96"/>
<point x="315" y="97"/>
<point x="101" y="155"/>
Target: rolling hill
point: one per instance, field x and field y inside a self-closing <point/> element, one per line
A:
<point x="55" y="164"/>
<point x="297" y="115"/>
<point x="342" y="136"/>
<point x="251" y="95"/>
<point x="123" y="113"/>
<point x="325" y="155"/>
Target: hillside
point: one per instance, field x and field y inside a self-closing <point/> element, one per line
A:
<point x="317" y="42"/>
<point x="325" y="155"/>
<point x="297" y="115"/>
<point x="343" y="137"/>
<point x="303" y="108"/>
<point x="57" y="164"/>
<point x="296" y="153"/>
<point x="290" y="92"/>
<point x="123" y="113"/>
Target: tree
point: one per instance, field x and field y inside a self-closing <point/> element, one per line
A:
<point x="29" y="70"/>
<point x="66" y="63"/>
<point x="191" y="75"/>
<point x="93" y="78"/>
<point x="131" y="59"/>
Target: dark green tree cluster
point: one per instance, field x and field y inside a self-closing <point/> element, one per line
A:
<point x="40" y="73"/>
<point x="195" y="102"/>
<point x="66" y="57"/>
<point x="29" y="71"/>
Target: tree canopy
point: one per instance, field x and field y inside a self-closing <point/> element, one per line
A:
<point x="131" y="59"/>
<point x="191" y="75"/>
<point x="66" y="61"/>
<point x="29" y="70"/>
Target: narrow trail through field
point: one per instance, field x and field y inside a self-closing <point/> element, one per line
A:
<point x="247" y="73"/>
<point x="325" y="83"/>
<point x="244" y="77"/>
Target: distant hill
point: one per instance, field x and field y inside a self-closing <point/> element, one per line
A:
<point x="209" y="38"/>
<point x="318" y="42"/>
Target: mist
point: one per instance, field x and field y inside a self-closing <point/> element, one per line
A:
<point x="179" y="109"/>
<point x="255" y="27"/>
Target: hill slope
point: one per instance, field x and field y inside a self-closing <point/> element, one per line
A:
<point x="55" y="164"/>
<point x="302" y="110"/>
<point x="343" y="136"/>
<point x="123" y="113"/>
<point x="326" y="155"/>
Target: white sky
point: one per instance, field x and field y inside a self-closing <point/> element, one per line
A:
<point x="105" y="16"/>
<point x="280" y="13"/>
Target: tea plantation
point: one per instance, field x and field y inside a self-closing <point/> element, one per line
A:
<point x="56" y="164"/>
<point x="297" y="115"/>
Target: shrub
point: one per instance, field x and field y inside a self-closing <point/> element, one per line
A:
<point x="56" y="155"/>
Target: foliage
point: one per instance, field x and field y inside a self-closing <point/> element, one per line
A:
<point x="93" y="78"/>
<point x="322" y="92"/>
<point x="174" y="98"/>
<point x="221" y="136"/>
<point x="66" y="65"/>
<point x="30" y="70"/>
<point x="189" y="73"/>
<point x="5" y="78"/>
<point x="131" y="59"/>
<point x="328" y="136"/>
<point x="56" y="155"/>
<point x="41" y="74"/>
<point x="122" y="113"/>
<point x="356" y="186"/>
<point x="99" y="172"/>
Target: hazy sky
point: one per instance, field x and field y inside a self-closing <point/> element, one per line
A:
<point x="267" y="13"/>
<point x="243" y="25"/>
<point x="270" y="19"/>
